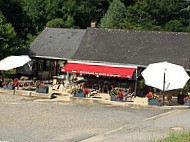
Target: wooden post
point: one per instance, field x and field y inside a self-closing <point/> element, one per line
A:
<point x="36" y="67"/>
<point x="136" y="77"/>
<point x="55" y="68"/>
<point x="44" y="65"/>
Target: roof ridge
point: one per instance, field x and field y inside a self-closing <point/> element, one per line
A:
<point x="63" y="28"/>
<point x="142" y="31"/>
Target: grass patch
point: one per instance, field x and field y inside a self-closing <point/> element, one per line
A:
<point x="176" y="137"/>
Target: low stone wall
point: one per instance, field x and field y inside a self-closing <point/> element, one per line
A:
<point x="141" y="100"/>
<point x="26" y="93"/>
<point x="6" y="91"/>
<point x="137" y="102"/>
<point x="23" y="93"/>
<point x="104" y="96"/>
<point x="90" y="101"/>
<point x="61" y="90"/>
<point x="41" y="95"/>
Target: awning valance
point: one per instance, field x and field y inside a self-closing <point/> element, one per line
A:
<point x="110" y="71"/>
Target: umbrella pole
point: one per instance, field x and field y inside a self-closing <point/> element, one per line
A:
<point x="163" y="88"/>
<point x="136" y="83"/>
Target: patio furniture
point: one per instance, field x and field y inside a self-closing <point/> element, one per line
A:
<point x="130" y="96"/>
<point x="105" y="89"/>
<point x="125" y="90"/>
<point x="26" y="82"/>
<point x="93" y="92"/>
<point x="95" y="86"/>
<point x="168" y="100"/>
<point x="58" y="79"/>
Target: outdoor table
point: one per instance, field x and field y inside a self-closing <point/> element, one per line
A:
<point x="58" y="79"/>
<point x="122" y="89"/>
<point x="26" y="82"/>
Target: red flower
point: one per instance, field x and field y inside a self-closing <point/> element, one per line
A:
<point x="186" y="99"/>
<point x="117" y="93"/>
<point x="86" y="91"/>
<point x="150" y="96"/>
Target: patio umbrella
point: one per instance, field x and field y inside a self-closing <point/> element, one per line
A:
<point x="12" y="62"/>
<point x="165" y="76"/>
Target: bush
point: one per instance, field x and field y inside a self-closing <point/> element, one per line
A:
<point x="175" y="137"/>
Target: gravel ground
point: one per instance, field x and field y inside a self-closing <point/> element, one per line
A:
<point x="25" y="120"/>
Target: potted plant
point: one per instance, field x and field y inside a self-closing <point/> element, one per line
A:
<point x="5" y="83"/>
<point x="153" y="99"/>
<point x="86" y="91"/>
<point x="116" y="95"/>
<point x="41" y="87"/>
<point x="186" y="100"/>
<point x="37" y="84"/>
<point x="13" y="84"/>
<point x="80" y="92"/>
<point x="183" y="93"/>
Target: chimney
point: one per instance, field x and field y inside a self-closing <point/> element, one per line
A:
<point x="93" y="24"/>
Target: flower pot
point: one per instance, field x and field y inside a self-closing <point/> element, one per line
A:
<point x="5" y="87"/>
<point x="10" y="87"/>
<point x="77" y="94"/>
<point x="41" y="90"/>
<point x="113" y="98"/>
<point x="187" y="103"/>
<point x="154" y="102"/>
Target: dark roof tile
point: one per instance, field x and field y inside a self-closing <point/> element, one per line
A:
<point x="56" y="42"/>
<point x="134" y="47"/>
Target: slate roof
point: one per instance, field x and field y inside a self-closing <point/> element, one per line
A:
<point x="56" y="42"/>
<point x="134" y="47"/>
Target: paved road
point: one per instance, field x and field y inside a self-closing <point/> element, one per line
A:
<point x="24" y="119"/>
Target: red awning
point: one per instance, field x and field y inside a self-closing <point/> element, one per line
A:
<point x="99" y="70"/>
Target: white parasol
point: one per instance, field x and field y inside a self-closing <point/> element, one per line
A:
<point x="12" y="62"/>
<point x="165" y="76"/>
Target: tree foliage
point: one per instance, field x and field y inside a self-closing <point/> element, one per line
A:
<point x="138" y="18"/>
<point x="114" y="15"/>
<point x="8" y="39"/>
<point x="174" y="26"/>
<point x="55" y="23"/>
<point x="22" y="20"/>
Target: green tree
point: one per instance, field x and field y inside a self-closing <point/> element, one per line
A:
<point x="128" y="2"/>
<point x="13" y="12"/>
<point x="165" y="10"/>
<point x="30" y="38"/>
<point x="114" y="15"/>
<point x="53" y="8"/>
<point x="59" y="23"/>
<point x="90" y="11"/>
<point x="8" y="39"/>
<point x="137" y="18"/>
<point x="55" y="23"/>
<point x="69" y="8"/>
<point x="69" y="23"/>
<point x="174" y="26"/>
<point x="35" y="10"/>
